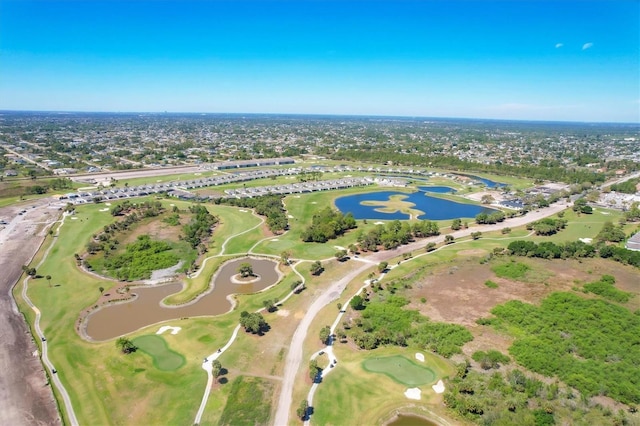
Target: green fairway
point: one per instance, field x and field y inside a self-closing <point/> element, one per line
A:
<point x="163" y="358"/>
<point x="400" y="369"/>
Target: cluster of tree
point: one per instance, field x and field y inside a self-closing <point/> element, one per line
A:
<point x="269" y="206"/>
<point x="590" y="344"/>
<point x="29" y="271"/>
<point x="628" y="187"/>
<point x="543" y="172"/>
<point x="44" y="187"/>
<point x="605" y="287"/>
<point x="141" y="210"/>
<point x="515" y="398"/>
<point x="253" y="322"/>
<point x="611" y="233"/>
<point x="547" y="226"/>
<point x="140" y="258"/>
<point x="577" y="249"/>
<point x="201" y="226"/>
<point x="580" y="205"/>
<point x="302" y="409"/>
<point x="328" y="224"/>
<point x="490" y="218"/>
<point x="316" y="268"/>
<point x="385" y="322"/>
<point x="395" y="234"/>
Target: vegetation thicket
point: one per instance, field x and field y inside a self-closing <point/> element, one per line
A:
<point x="590" y="344"/>
<point x="395" y="234"/>
<point x="327" y="224"/>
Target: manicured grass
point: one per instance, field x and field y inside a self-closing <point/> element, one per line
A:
<point x="248" y="403"/>
<point x="400" y="369"/>
<point x="232" y="222"/>
<point x="163" y="357"/>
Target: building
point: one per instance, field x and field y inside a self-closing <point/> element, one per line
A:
<point x="633" y="243"/>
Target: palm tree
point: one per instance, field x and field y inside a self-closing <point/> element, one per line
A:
<point x="48" y="277"/>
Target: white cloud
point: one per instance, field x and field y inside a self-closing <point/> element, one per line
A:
<point x="559" y="45"/>
<point x="587" y="46"/>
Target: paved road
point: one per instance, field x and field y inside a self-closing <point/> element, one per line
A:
<point x="294" y="356"/>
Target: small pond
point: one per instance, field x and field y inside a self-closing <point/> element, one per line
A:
<point x="433" y="208"/>
<point x="122" y="318"/>
<point x="488" y="182"/>
<point x="410" y="420"/>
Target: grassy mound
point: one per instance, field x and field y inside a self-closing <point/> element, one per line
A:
<point x="163" y="358"/>
<point x="400" y="369"/>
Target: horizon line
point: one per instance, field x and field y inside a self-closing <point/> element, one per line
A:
<point x="637" y="123"/>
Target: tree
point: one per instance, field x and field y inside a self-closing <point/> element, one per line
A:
<point x="253" y="322"/>
<point x="125" y="345"/>
<point x="341" y="255"/>
<point x="245" y="270"/>
<point x="302" y="409"/>
<point x="325" y="333"/>
<point x="284" y="257"/>
<point x="456" y="224"/>
<point x="101" y="289"/>
<point x="487" y="199"/>
<point x="316" y="268"/>
<point x="476" y="235"/>
<point x="48" y="277"/>
<point x="382" y="266"/>
<point x="357" y="303"/>
<point x="448" y="239"/>
<point x="270" y="304"/>
<point x="430" y="246"/>
<point x="216" y="368"/>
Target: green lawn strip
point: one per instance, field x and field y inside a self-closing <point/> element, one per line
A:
<point x="249" y="402"/>
<point x="164" y="358"/>
<point x="242" y="243"/>
<point x="400" y="369"/>
<point x="232" y="222"/>
<point x="196" y="286"/>
<point x="101" y="381"/>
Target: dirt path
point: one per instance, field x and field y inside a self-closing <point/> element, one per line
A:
<point x="25" y="398"/>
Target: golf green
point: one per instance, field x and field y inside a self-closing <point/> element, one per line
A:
<point x="400" y="369"/>
<point x="163" y="358"/>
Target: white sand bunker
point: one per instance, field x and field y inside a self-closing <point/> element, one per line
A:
<point x="586" y="240"/>
<point x="174" y="330"/>
<point x="74" y="218"/>
<point x="314" y="202"/>
<point x="107" y="204"/>
<point x="605" y="213"/>
<point x="275" y="239"/>
<point x="413" y="393"/>
<point x="379" y="223"/>
<point x="339" y="248"/>
<point x="103" y="210"/>
<point x="282" y="313"/>
<point x="438" y="387"/>
<point x="419" y="357"/>
<point x="242" y="211"/>
<point x="289" y="216"/>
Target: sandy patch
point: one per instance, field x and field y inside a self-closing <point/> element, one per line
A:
<point x="586" y="240"/>
<point x="103" y="210"/>
<point x="159" y="180"/>
<point x="74" y="218"/>
<point x="314" y="202"/>
<point x="438" y="387"/>
<point x="107" y="204"/>
<point x="339" y="248"/>
<point x="242" y="211"/>
<point x="172" y="205"/>
<point x="290" y="216"/>
<point x="297" y="196"/>
<point x="283" y="313"/>
<point x="605" y="213"/>
<point x="197" y="174"/>
<point x="420" y="357"/>
<point x="275" y="239"/>
<point x="379" y="223"/>
<point x="413" y="393"/>
<point x="174" y="330"/>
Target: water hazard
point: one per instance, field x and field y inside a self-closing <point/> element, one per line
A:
<point x="119" y="319"/>
<point x="410" y="420"/>
<point x="433" y="208"/>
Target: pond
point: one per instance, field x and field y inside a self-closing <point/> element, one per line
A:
<point x="122" y="318"/>
<point x="433" y="208"/>
<point x="488" y="182"/>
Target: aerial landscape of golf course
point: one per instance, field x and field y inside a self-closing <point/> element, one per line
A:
<point x="158" y="310"/>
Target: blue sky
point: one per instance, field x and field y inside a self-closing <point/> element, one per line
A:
<point x="536" y="60"/>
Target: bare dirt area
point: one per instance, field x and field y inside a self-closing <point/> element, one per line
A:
<point x="457" y="292"/>
<point x="25" y="396"/>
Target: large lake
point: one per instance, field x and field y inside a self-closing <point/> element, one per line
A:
<point x="433" y="208"/>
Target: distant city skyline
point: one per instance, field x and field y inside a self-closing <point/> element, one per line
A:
<point x="512" y="60"/>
